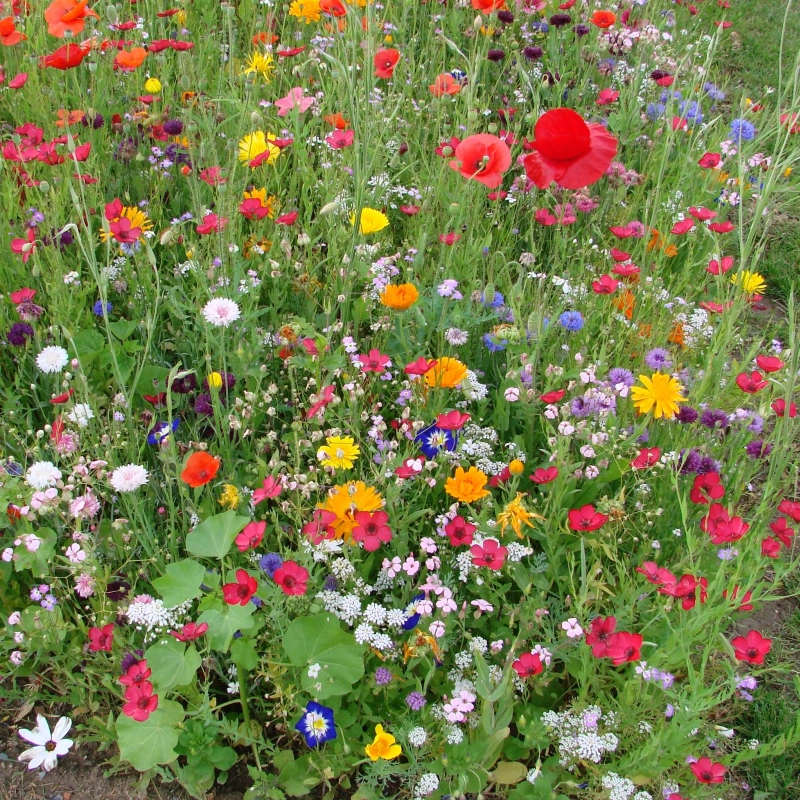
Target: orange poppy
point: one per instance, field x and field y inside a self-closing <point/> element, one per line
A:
<point x="9" y="35"/>
<point x="129" y="60"/>
<point x="66" y="118"/>
<point x="445" y="84"/>
<point x="625" y="303"/>
<point x="603" y="19"/>
<point x="67" y="17"/>
<point x="265" y="38"/>
<point x="677" y="337"/>
<point x="201" y="467"/>
<point x="338" y="121"/>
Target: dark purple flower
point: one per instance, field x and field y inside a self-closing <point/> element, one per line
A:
<point x="185" y="385"/>
<point x="533" y="53"/>
<point x="496" y="55"/>
<point x="686" y="415"/>
<point x="758" y="449"/>
<point x="18" y="332"/>
<point x="560" y="20"/>
<point x="96" y="121"/>
<point x="505" y="17"/>
<point x="714" y="418"/>
<point x="174" y="127"/>
<point x="129" y="659"/>
<point x="202" y="405"/>
<point x="416" y="701"/>
<point x="708" y="464"/>
<point x="581" y="30"/>
<point x="690" y="462"/>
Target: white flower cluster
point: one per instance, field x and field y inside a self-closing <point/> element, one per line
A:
<point x="473" y="388"/>
<point x="427" y="784"/>
<point x="417" y="737"/>
<point x="619" y="788"/>
<point x="150" y="615"/>
<point x="583" y="735"/>
<point x="696" y="327"/>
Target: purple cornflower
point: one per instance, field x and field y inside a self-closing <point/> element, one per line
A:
<point x="533" y="53"/>
<point x="756" y="424"/>
<point x="687" y="415"/>
<point x="173" y="127"/>
<point x="383" y="676"/>
<point x="416" y="701"/>
<point x="690" y="462"/>
<point x="758" y="449"/>
<point x="18" y="332"/>
<point x="496" y="55"/>
<point x="620" y="375"/>
<point x="658" y="359"/>
<point x="584" y="407"/>
<point x="184" y="385"/>
<point x="202" y="405"/>
<point x="708" y="464"/>
<point x="270" y="563"/>
<point x="129" y="659"/>
<point x="714" y="418"/>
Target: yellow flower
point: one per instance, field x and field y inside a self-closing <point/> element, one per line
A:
<point x="270" y="202"/>
<point x="308" y="10"/>
<point x="516" y="466"/>
<point x="152" y="85"/>
<point x="400" y="296"/>
<point x="256" y="143"/>
<point x="751" y="282"/>
<point x="383" y="746"/>
<point x="262" y="63"/>
<point x="230" y="496"/>
<point x="467" y="487"/>
<point x="215" y="381"/>
<point x="339" y="452"/>
<point x="371" y="221"/>
<point x="661" y="392"/>
<point x="345" y="501"/>
<point x="137" y="217"/>
<point x="515" y="515"/>
<point x="447" y="373"/>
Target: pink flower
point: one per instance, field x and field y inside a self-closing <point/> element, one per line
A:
<point x="371" y="529"/>
<point x="374" y="361"/>
<point x="292" y="100"/>
<point x="490" y="554"/>
<point x="291" y="577"/>
<point x="251" y="536"/>
<point x="270" y="489"/>
<point x="211" y="223"/>
<point x="339" y="139"/>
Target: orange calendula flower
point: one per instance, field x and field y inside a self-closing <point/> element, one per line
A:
<point x="467" y="487"/>
<point x="67" y="17"/>
<point x="447" y="373"/>
<point x="200" y="469"/>
<point x="347" y="500"/>
<point x="383" y="746"/>
<point x="400" y="297"/>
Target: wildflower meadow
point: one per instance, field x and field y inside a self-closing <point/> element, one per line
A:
<point x="392" y="404"/>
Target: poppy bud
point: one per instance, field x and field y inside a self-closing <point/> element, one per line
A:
<point x="167" y="237"/>
<point x="255" y="118"/>
<point x="186" y="82"/>
<point x="478" y="23"/>
<point x="44" y="187"/>
<point x="92" y="66"/>
<point x="472" y="115"/>
<point x="329" y="208"/>
<point x="111" y="14"/>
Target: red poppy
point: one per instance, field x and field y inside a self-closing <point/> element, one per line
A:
<point x="371" y="529"/>
<point x="706" y="488"/>
<point x="292" y="51"/>
<point x="482" y="157"/>
<point x="66" y="57"/>
<point x="67" y="17"/>
<point x="545" y="217"/>
<point x="722" y="227"/>
<point x="752" y="383"/>
<point x="9" y="35"/>
<point x="745" y="605"/>
<point x="528" y="665"/>
<point x="141" y="702"/>
<point x="488" y="5"/>
<point x="444" y="84"/>
<point x="586" y="518"/>
<point x="720" y="267"/>
<point x="710" y="160"/>
<point x="684" y="226"/>
<point x="201" y="467"/>
<point x="703" y="214"/>
<point x="62" y="398"/>
<point x="544" y="475"/>
<point x="490" y="554"/>
<point x="553" y="397"/>
<point x="101" y="638"/>
<point x="239" y="593"/>
<point x="770" y="548"/>
<point x="291" y="577"/>
<point x="287" y="219"/>
<point x="648" y="457"/>
<point x="770" y="363"/>
<point x="129" y="60"/>
<point x="459" y="531"/>
<point x="779" y="407"/>
<point x="452" y="420"/>
<point x="707" y="771"/>
<point x="449" y="238"/>
<point x="211" y="224"/>
<point x="623" y="647"/>
<point x="332" y="7"/>
<point x="385" y="61"/>
<point x="568" y="151"/>
<point x="606" y="97"/>
<point x="606" y="285"/>
<point x="619" y="255"/>
<point x="751" y="648"/>
<point x="251" y="536"/>
<point x="410" y="211"/>
<point x="782" y="530"/>
<point x="598" y="636"/>
<point x="603" y="19"/>
<point x="686" y="590"/>
<point x="190" y="631"/>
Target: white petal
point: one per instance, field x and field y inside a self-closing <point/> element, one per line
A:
<point x="50" y="761"/>
<point x="35" y="736"/>
<point x="62" y="747"/>
<point x="36" y="755"/>
<point x="62" y="728"/>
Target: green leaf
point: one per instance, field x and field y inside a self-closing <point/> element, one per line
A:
<point x="181" y="583"/>
<point x="509" y="772"/>
<point x="243" y="653"/>
<point x="213" y="537"/>
<point x="122" y="328"/>
<point x="223" y="624"/>
<point x="145" y="744"/>
<point x="152" y="380"/>
<point x="173" y="664"/>
<point x="320" y="640"/>
<point x="87" y="344"/>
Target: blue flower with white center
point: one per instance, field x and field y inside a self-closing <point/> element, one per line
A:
<point x="432" y="440"/>
<point x="161" y="431"/>
<point x="316" y="724"/>
<point x="413" y="616"/>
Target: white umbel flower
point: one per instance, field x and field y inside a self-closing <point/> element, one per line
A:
<point x="42" y="475"/>
<point x="47" y="747"/>
<point x="221" y="312"/>
<point x="52" y="359"/>
<point x="128" y="478"/>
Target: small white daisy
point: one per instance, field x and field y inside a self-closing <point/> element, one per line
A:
<point x="128" y="478"/>
<point x="47" y="747"/>
<point x="221" y="312"/>
<point x="52" y="359"/>
<point x="42" y="475"/>
<point x="81" y="414"/>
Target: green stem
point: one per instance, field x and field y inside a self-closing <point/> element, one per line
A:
<point x="241" y="675"/>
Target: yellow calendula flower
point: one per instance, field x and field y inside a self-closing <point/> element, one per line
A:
<point x="230" y="497"/>
<point x="256" y="143"/>
<point x="515" y="515"/>
<point x="152" y="85"/>
<point x="339" y="452"/>
<point x="307" y="10"/>
<point x="467" y="487"/>
<point x="345" y="501"/>
<point x="750" y="282"/>
<point x="399" y="296"/>
<point x="215" y="381"/>
<point x="659" y="392"/>
<point x="383" y="746"/>
<point x="516" y="466"/>
<point x="447" y="373"/>
<point x="262" y="63"/>
<point x="370" y="221"/>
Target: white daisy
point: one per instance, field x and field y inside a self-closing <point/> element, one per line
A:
<point x="52" y="359"/>
<point x="81" y="414"/>
<point x="221" y="312"/>
<point x="42" y="475"/>
<point x="47" y="747"/>
<point x="128" y="478"/>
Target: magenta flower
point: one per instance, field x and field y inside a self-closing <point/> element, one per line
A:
<point x="292" y="100"/>
<point x="374" y="361"/>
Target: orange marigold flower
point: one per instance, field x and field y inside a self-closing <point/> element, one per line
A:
<point x="400" y="297"/>
<point x="200" y="469"/>
<point x="447" y="373"/>
<point x="467" y="487"/>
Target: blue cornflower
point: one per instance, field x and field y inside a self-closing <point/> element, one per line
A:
<point x="742" y="129"/>
<point x="270" y="563"/>
<point x="497" y="302"/>
<point x="317" y="724"/>
<point x="433" y="439"/>
<point x="658" y="358"/>
<point x="691" y="110"/>
<point x="161" y="431"/>
<point x="413" y="617"/>
<point x="97" y="308"/>
<point x="571" y="320"/>
<point x="713" y="92"/>
<point x="655" y="111"/>
<point x="493" y="344"/>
